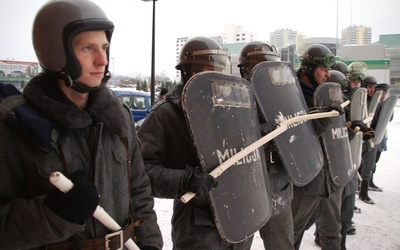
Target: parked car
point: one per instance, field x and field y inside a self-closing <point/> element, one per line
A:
<point x="137" y="101"/>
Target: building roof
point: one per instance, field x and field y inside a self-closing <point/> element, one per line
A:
<point x="391" y="40"/>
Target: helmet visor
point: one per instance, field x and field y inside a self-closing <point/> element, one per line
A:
<point x="211" y="60"/>
<point x="356" y="76"/>
<point x="328" y="60"/>
<point x="257" y="57"/>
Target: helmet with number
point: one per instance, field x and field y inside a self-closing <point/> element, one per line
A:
<point x="253" y="53"/>
<point x="200" y="54"/>
<point x="370" y="80"/>
<point x="54" y="28"/>
<point x="342" y="67"/>
<point x="338" y="77"/>
<point x="318" y="55"/>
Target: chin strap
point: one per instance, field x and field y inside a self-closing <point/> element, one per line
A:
<point x="79" y="87"/>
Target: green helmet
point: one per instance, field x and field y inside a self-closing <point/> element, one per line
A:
<point x="319" y="55"/>
<point x="338" y="77"/>
<point x="356" y="75"/>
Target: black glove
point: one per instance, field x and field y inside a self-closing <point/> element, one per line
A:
<point x="267" y="127"/>
<point x="362" y="126"/>
<point x="199" y="183"/>
<point x="323" y="124"/>
<point x="336" y="107"/>
<point x="370" y="134"/>
<point x="78" y="204"/>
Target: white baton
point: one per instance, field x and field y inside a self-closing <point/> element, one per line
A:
<point x="64" y="185"/>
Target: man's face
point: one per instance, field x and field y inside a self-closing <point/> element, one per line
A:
<point x="321" y="74"/>
<point x="90" y="48"/>
<point x="371" y="89"/>
<point x="355" y="83"/>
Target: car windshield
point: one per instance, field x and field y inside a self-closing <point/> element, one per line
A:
<point x="134" y="101"/>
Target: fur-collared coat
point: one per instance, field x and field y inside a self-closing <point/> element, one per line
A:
<point x="91" y="140"/>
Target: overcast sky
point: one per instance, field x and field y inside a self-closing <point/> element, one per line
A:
<point x="131" y="44"/>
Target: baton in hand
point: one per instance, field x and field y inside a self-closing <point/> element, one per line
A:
<point x="65" y="185"/>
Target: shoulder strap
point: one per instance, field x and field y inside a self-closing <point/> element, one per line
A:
<point x="17" y="113"/>
<point x="9" y="103"/>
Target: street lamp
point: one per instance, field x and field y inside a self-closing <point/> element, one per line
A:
<point x="152" y="87"/>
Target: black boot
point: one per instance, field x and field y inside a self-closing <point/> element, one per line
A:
<point x="363" y="195"/>
<point x="374" y="187"/>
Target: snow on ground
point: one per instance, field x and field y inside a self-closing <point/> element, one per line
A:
<point x="378" y="225"/>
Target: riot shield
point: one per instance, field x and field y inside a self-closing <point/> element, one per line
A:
<point x="373" y="104"/>
<point x="384" y="117"/>
<point x="277" y="92"/>
<point x="358" y="111"/>
<point x="335" y="140"/>
<point x="222" y="117"/>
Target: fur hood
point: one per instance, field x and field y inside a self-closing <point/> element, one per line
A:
<point x="44" y="94"/>
<point x="175" y="95"/>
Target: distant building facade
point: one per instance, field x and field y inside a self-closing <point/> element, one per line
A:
<point x="392" y="43"/>
<point x="18" y="72"/>
<point x="374" y="55"/>
<point x="382" y="57"/>
<point x="282" y="38"/>
<point x="356" y="35"/>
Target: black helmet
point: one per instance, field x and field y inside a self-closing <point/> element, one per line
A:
<point x="383" y="87"/>
<point x="342" y="67"/>
<point x="54" y="27"/>
<point x="338" y="77"/>
<point x="319" y="55"/>
<point x="199" y="52"/>
<point x="369" y="80"/>
<point x="253" y="53"/>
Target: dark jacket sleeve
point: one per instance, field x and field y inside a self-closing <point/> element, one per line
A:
<point x="142" y="202"/>
<point x="24" y="221"/>
<point x="165" y="172"/>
